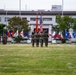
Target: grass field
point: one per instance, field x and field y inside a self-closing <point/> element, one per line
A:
<point x="23" y="59"/>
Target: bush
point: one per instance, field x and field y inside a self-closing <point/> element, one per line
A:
<point x="17" y="39"/>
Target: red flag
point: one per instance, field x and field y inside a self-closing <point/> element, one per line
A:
<point x="50" y="34"/>
<point x="9" y="34"/>
<point x="36" y="24"/>
<point x="59" y="36"/>
<point x="54" y="35"/>
<point x="12" y="32"/>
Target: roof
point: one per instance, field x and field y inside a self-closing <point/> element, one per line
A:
<point x="11" y="12"/>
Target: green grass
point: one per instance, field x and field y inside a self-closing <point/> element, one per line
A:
<point x="23" y="59"/>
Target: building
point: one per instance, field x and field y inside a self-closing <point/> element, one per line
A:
<point x="49" y="18"/>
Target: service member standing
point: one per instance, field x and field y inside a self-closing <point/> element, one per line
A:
<point x="46" y="39"/>
<point x="33" y="39"/>
<point x="41" y="39"/>
<point x="4" y="39"/>
<point x="37" y="39"/>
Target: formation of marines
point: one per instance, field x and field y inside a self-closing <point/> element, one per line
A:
<point x="39" y="38"/>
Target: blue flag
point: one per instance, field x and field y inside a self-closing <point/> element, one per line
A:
<point x="10" y="32"/>
<point x="26" y="33"/>
<point x="41" y="21"/>
<point x="74" y="34"/>
<point x="66" y="34"/>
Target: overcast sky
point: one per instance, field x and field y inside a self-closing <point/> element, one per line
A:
<point x="36" y="4"/>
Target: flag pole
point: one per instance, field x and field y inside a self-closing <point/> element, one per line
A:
<point x="25" y="7"/>
<point x="62" y="7"/>
<point x="6" y="14"/>
<point x="36" y="29"/>
<point x="20" y="8"/>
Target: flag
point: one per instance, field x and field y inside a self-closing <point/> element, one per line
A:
<point x="67" y="35"/>
<point x="71" y="34"/>
<point x="36" y="30"/>
<point x="54" y="34"/>
<point x="8" y="34"/>
<point x="12" y="32"/>
<point x="22" y="33"/>
<point x="59" y="35"/>
<point x="27" y="33"/>
<point x="41" y="24"/>
<point x="16" y="34"/>
<point x="74" y="34"/>
<point x="50" y="34"/>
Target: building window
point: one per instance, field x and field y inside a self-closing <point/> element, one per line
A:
<point x="0" y="19"/>
<point x="53" y="7"/>
<point x="24" y="18"/>
<point x="44" y="19"/>
<point x="33" y="19"/>
<point x="7" y="19"/>
<point x="47" y="19"/>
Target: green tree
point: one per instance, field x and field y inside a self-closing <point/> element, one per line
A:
<point x="1" y="29"/>
<point x="74" y="27"/>
<point x="63" y="23"/>
<point x="18" y="23"/>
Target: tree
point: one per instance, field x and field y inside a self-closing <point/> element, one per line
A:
<point x="18" y="23"/>
<point x="63" y="23"/>
<point x="74" y="27"/>
<point x="1" y="29"/>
